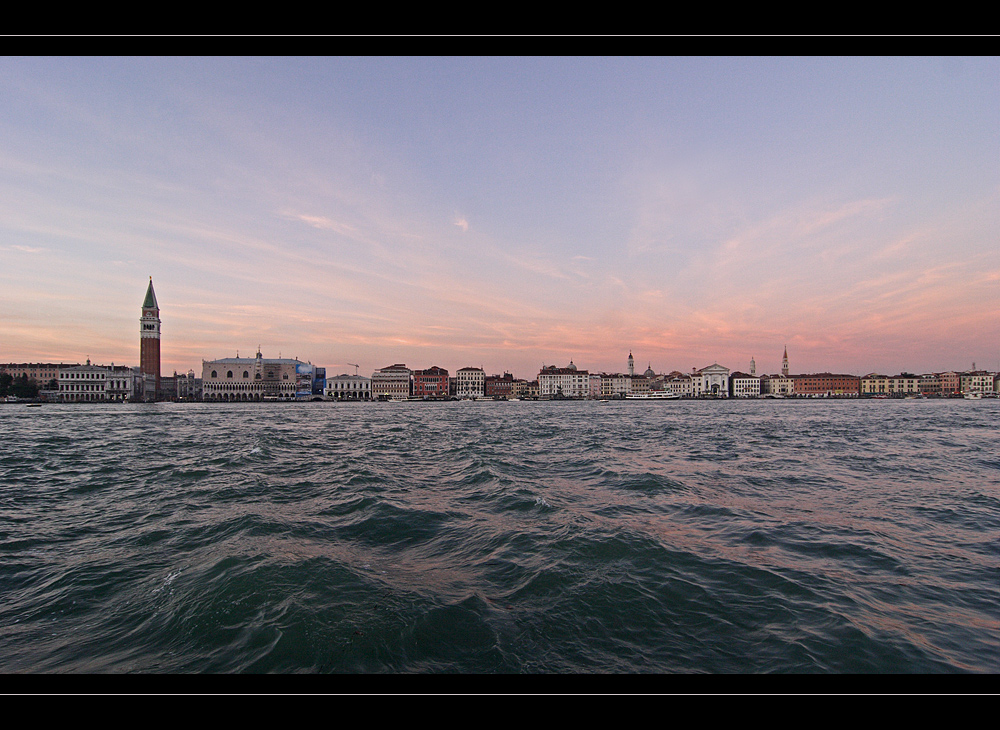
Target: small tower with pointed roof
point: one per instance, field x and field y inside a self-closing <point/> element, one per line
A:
<point x="784" y="363"/>
<point x="631" y="365"/>
<point x="149" y="338"/>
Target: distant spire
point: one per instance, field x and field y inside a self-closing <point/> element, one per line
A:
<point x="150" y="301"/>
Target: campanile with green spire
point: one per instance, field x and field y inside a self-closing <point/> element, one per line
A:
<point x="149" y="339"/>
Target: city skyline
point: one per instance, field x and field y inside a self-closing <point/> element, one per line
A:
<point x="504" y="213"/>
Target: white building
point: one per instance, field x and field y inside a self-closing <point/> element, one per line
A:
<point x="977" y="381"/>
<point x="83" y="384"/>
<point x="123" y="383"/>
<point x="470" y="383"/>
<point x="348" y="387"/>
<point x="391" y="383"/>
<point x="744" y="385"/>
<point x="255" y="379"/>
<point x="711" y="381"/>
<point x="567" y="382"/>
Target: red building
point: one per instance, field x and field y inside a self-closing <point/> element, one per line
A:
<point x="826" y="384"/>
<point x="430" y="383"/>
<point x="499" y="387"/>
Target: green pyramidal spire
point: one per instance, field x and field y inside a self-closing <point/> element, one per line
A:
<point x="150" y="301"/>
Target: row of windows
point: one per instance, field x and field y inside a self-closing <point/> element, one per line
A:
<point x="246" y="375"/>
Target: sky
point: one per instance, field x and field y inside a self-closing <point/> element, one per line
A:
<point x="504" y="213"/>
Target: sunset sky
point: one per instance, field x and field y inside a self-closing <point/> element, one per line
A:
<point x="504" y="212"/>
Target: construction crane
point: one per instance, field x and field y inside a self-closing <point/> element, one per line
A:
<point x="355" y="367"/>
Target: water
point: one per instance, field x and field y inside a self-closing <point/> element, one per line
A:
<point x="762" y="536"/>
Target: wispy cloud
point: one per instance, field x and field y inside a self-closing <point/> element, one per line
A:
<point x="324" y="224"/>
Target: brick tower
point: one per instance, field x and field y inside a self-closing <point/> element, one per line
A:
<point x="149" y="340"/>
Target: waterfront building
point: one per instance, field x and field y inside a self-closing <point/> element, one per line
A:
<point x="499" y="386"/>
<point x="470" y="383"/>
<point x="123" y="384"/>
<point x="976" y="381"/>
<point x="348" y="387"/>
<point x="519" y="389"/>
<point x="638" y="385"/>
<point x="904" y="384"/>
<point x="615" y="385"/>
<point x="777" y="386"/>
<point x="189" y="386"/>
<point x="744" y="385"/>
<point x="83" y="384"/>
<point x="567" y="382"/>
<point x="930" y="384"/>
<point x="149" y="341"/>
<point x="318" y="382"/>
<point x="874" y="384"/>
<point x="255" y="379"/>
<point x="679" y="384"/>
<point x="951" y="383"/>
<point x="391" y="383"/>
<point x="711" y="382"/>
<point x="43" y="373"/>
<point x="827" y="385"/>
<point x="430" y="383"/>
<point x="168" y="388"/>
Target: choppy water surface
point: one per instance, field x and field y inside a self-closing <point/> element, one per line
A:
<point x="501" y="537"/>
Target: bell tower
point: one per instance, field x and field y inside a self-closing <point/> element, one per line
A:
<point x="784" y="363"/>
<point x="149" y="338"/>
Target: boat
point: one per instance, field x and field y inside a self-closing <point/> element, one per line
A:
<point x="973" y="396"/>
<point x="653" y="395"/>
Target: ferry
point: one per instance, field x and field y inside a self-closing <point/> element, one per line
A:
<point x="653" y="395"/>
